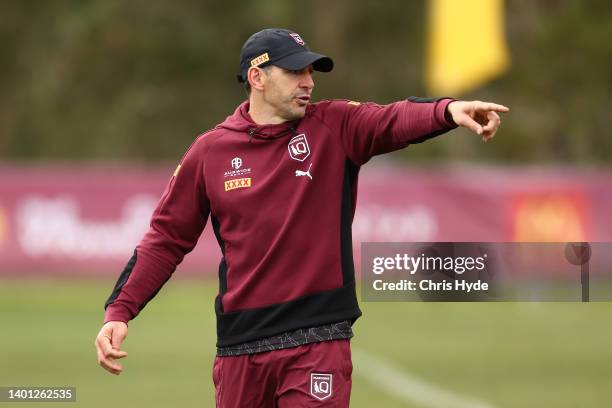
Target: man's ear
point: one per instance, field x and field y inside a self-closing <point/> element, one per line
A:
<point x="256" y="77"/>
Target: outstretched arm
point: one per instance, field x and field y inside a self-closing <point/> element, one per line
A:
<point x="368" y="129"/>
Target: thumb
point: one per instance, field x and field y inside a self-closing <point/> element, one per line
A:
<point x="117" y="338"/>
<point x="118" y="335"/>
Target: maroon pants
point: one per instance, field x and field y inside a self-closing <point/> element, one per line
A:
<point x="312" y="375"/>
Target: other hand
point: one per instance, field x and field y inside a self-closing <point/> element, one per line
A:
<point x="108" y="345"/>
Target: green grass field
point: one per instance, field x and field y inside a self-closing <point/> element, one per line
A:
<point x="505" y="354"/>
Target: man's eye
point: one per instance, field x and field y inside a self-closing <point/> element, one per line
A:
<point x="299" y="71"/>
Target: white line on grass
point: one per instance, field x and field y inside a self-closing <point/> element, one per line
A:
<point x="406" y="387"/>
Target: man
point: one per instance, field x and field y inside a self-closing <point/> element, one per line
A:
<point x="278" y="179"/>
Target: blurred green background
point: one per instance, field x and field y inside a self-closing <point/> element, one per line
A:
<point x="138" y="80"/>
<point x="135" y="82"/>
<point x="528" y="355"/>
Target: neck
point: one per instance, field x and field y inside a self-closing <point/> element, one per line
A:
<point x="262" y="113"/>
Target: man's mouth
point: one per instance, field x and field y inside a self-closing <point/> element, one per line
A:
<point x="302" y="100"/>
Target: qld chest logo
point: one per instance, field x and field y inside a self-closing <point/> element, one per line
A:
<point x="298" y="148"/>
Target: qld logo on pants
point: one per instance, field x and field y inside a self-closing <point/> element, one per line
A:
<point x="320" y="385"/>
<point x="298" y="148"/>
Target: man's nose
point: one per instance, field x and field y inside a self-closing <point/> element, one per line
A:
<point x="307" y="81"/>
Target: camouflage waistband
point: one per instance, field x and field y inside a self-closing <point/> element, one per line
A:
<point x="294" y="338"/>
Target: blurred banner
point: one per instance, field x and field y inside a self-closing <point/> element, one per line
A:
<point x="87" y="220"/>
<point x="466" y="45"/>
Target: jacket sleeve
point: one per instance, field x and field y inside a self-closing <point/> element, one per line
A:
<point x="368" y="129"/>
<point x="175" y="227"/>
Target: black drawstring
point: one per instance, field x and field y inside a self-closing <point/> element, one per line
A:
<point x="253" y="133"/>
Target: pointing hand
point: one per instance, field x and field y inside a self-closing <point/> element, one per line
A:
<point x="480" y="117"/>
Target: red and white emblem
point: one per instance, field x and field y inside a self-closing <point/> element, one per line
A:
<point x="320" y="385"/>
<point x="298" y="148"/>
<point x="297" y="38"/>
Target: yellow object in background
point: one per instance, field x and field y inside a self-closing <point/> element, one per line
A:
<point x="550" y="217"/>
<point x="466" y="45"/>
<point x="2" y="226"/>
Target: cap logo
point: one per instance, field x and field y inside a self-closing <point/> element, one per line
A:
<point x="297" y="38"/>
<point x="255" y="62"/>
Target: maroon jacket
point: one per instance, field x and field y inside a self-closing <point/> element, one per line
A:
<point x="281" y="200"/>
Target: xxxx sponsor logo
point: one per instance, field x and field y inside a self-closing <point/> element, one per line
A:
<point x="237" y="183"/>
<point x="255" y="62"/>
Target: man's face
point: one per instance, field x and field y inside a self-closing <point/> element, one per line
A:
<point x="288" y="92"/>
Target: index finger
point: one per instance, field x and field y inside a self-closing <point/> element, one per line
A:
<point x="108" y="364"/>
<point x="490" y="106"/>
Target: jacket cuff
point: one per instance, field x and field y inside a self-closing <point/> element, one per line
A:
<point x="116" y="313"/>
<point x="442" y="114"/>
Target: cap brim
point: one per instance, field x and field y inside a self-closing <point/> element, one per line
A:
<point x="301" y="60"/>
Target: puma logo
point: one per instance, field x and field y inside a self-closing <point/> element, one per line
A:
<point x="299" y="173"/>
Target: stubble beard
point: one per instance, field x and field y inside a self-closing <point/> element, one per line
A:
<point x="289" y="112"/>
<point x="287" y="109"/>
